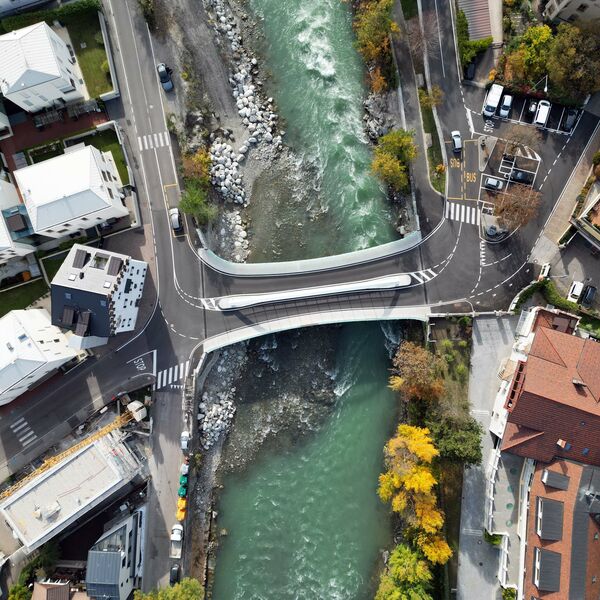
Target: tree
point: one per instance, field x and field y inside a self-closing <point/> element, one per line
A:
<point x="186" y="589"/>
<point x="457" y="441"/>
<point x="197" y="166"/>
<point x="419" y="371"/>
<point x="194" y="201"/>
<point x="536" y="43"/>
<point x="431" y="99"/>
<point x="519" y="205"/>
<point x="406" y="577"/>
<point x="377" y="81"/>
<point x="373" y="24"/>
<point x="19" y="592"/>
<point x="574" y="60"/>
<point x="390" y="169"/>
<point x="425" y="39"/>
<point x="399" y="143"/>
<point x="520" y="135"/>
<point x="434" y="547"/>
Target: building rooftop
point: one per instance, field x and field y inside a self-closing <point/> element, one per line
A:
<point x="56" y="498"/>
<point x="27" y="58"/>
<point x="46" y="590"/>
<point x="63" y="188"/>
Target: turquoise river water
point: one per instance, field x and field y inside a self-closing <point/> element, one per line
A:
<point x="304" y="521"/>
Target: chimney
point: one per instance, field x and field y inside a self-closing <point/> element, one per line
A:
<point x="81" y="274"/>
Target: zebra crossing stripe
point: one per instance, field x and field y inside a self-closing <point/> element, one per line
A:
<point x="145" y="143"/>
<point x="175" y="370"/>
<point x="424" y="275"/>
<point x="187" y="367"/>
<point x="416" y="276"/>
<point x="141" y="144"/>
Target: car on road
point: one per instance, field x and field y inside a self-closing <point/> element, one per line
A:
<point x="175" y="220"/>
<point x="492" y="183"/>
<point x="164" y="76"/>
<point x="456" y="141"/>
<point x="542" y="113"/>
<point x="492" y="100"/>
<point x="570" y="119"/>
<point x="176" y="541"/>
<point x="174" y="574"/>
<point x="519" y="176"/>
<point x="587" y="296"/>
<point x="544" y="272"/>
<point x="506" y="106"/>
<point x="185" y="440"/>
<point x="575" y="291"/>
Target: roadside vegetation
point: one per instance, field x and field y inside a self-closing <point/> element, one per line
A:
<point x="424" y="462"/>
<point x="186" y="589"/>
<point x="373" y="25"/>
<point x="41" y="567"/>
<point x="468" y="49"/>
<point x="435" y="159"/>
<point x="566" y="57"/>
<point x="196" y="177"/>
<point x="22" y="296"/>
<point x="82" y="21"/>
<point x="393" y="154"/>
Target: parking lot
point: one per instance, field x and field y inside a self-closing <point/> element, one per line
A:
<point x="523" y="112"/>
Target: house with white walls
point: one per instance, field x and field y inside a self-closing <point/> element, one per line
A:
<point x="96" y="294"/>
<point x="14" y="224"/>
<point x="572" y="10"/>
<point x="71" y="192"/>
<point x="31" y="349"/>
<point x="37" y="70"/>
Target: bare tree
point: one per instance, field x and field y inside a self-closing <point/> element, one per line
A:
<point x="519" y="205"/>
<point x="427" y="38"/>
<point x="522" y="135"/>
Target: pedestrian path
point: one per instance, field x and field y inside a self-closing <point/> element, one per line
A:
<point x="23" y="431"/>
<point x="465" y="213"/>
<point x="423" y="276"/>
<point x="153" y="140"/>
<point x="171" y="375"/>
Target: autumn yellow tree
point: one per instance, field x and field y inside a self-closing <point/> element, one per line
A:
<point x="416" y="372"/>
<point x="390" y="169"/>
<point x="407" y="576"/>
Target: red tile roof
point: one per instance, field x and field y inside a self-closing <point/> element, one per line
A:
<point x="556" y="396"/>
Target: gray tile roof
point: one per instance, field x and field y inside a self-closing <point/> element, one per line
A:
<point x="102" y="575"/>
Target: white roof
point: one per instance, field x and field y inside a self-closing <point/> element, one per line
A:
<point x="27" y="58"/>
<point x="20" y="354"/>
<point x="6" y="241"/>
<point x="63" y="188"/>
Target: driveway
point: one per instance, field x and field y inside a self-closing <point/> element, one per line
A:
<point x="477" y="559"/>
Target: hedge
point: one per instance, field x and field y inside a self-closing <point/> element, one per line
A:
<point x="467" y="48"/>
<point x="548" y="290"/>
<point x="67" y="10"/>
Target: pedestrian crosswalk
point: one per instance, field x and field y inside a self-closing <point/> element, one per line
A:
<point x="423" y="276"/>
<point x="23" y="431"/>
<point x="466" y="213"/>
<point x="153" y="140"/>
<point x="172" y="375"/>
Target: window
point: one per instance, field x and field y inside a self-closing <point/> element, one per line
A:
<point x="582" y="8"/>
<point x="49" y="230"/>
<point x="28" y="102"/>
<point x="110" y="193"/>
<point x="567" y="446"/>
<point x="84" y="219"/>
<point x="62" y="230"/>
<point x="585" y="451"/>
<point x="68" y="295"/>
<point x="594" y="579"/>
<point x="596" y="536"/>
<point x="536" y="566"/>
<point x="538" y="527"/>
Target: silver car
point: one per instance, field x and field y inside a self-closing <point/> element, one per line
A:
<point x="491" y="183"/>
<point x="506" y="106"/>
<point x="456" y="141"/>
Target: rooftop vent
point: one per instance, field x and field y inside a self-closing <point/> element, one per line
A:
<point x="579" y="383"/>
<point x="562" y="443"/>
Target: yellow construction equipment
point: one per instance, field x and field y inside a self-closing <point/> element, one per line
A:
<point x="121" y="420"/>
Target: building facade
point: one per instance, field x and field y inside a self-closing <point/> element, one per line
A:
<point x="31" y="350"/>
<point x="572" y="10"/>
<point x="115" y="562"/>
<point x="12" y="224"/>
<point x="71" y="192"/>
<point x="96" y="294"/>
<point x="36" y="69"/>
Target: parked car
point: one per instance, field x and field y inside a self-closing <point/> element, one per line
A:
<point x="175" y="220"/>
<point x="493" y="183"/>
<point x="456" y="141"/>
<point x="523" y="177"/>
<point x="570" y="119"/>
<point x="575" y="291"/>
<point x="544" y="272"/>
<point x="185" y="440"/>
<point x="587" y="296"/>
<point x="174" y="574"/>
<point x="532" y="108"/>
<point x="164" y="76"/>
<point x="506" y="106"/>
<point x="542" y="113"/>
<point x="176" y="541"/>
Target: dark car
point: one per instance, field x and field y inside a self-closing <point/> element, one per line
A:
<point x="174" y="574"/>
<point x="521" y="177"/>
<point x="587" y="296"/>
<point x="470" y="71"/>
<point x="570" y="119"/>
<point x="164" y="75"/>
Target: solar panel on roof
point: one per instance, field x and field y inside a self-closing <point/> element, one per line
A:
<point x="114" y="266"/>
<point x="79" y="259"/>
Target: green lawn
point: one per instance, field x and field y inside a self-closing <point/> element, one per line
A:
<point x="592" y="324"/>
<point x="83" y="28"/>
<point x="107" y="141"/>
<point x="434" y="154"/>
<point x="52" y="265"/>
<point x="409" y="8"/>
<point x="22" y="296"/>
<point x="44" y="153"/>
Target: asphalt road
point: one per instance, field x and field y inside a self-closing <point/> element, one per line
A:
<point x="465" y="273"/>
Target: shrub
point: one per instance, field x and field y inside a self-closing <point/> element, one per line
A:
<point x="494" y="539"/>
<point x="66" y="10"/>
<point x="105" y="67"/>
<point x="596" y="158"/>
<point x="467" y="48"/>
<point x="99" y="38"/>
<point x="147" y="7"/>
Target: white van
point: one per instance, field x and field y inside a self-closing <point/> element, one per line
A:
<point x="492" y="100"/>
<point x="541" y="116"/>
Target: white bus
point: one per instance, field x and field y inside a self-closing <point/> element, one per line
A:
<point x="492" y="100"/>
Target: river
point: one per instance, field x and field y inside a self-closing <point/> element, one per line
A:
<point x="303" y="520"/>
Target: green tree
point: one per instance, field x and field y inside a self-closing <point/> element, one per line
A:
<point x="399" y="143"/>
<point x="373" y="24"/>
<point x="430" y="99"/>
<point x="19" y="592"/>
<point x="419" y="371"/>
<point x="574" y="59"/>
<point x="537" y="42"/>
<point x="186" y="589"/>
<point x="390" y="169"/>
<point x="457" y="441"/>
<point x="406" y="577"/>
<point x="194" y="201"/>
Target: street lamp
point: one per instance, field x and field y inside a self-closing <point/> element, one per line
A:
<point x="544" y="78"/>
